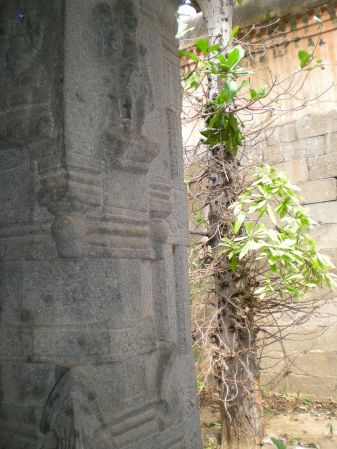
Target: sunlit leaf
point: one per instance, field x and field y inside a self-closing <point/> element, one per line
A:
<point x="202" y="45"/>
<point x="238" y="223"/>
<point x="305" y="58"/>
<point x="235" y="56"/>
<point x="234" y="32"/>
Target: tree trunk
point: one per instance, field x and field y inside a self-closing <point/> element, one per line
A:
<point x="236" y="362"/>
<point x="240" y="405"/>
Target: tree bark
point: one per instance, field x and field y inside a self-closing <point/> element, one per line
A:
<point x="236" y="362"/>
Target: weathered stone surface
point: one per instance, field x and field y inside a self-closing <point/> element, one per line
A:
<point x="304" y="340"/>
<point x="327" y="339"/>
<point x="321" y="387"/>
<point x="95" y="347"/>
<point x="330" y="143"/>
<point x="297" y="170"/>
<point x="298" y="149"/>
<point x="332" y="252"/>
<point x="317" y="125"/>
<point x="318" y="191"/>
<point x="318" y="363"/>
<point x="323" y="213"/>
<point x="321" y="167"/>
<point x="315" y="363"/>
<point x="255" y="12"/>
<point x="326" y="236"/>
<point x="281" y="134"/>
<point x="252" y="155"/>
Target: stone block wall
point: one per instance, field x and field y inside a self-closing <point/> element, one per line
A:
<point x="302" y="143"/>
<point x="306" y="150"/>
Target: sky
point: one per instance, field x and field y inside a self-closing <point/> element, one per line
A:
<point x="186" y="10"/>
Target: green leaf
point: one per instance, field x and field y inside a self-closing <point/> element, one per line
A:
<point x="305" y="58"/>
<point x="244" y="251"/>
<point x="261" y="90"/>
<point x="230" y="89"/>
<point x="278" y="444"/>
<point x="249" y="227"/>
<point x="244" y="83"/>
<point x="235" y="56"/>
<point x="271" y="214"/>
<point x="188" y="54"/>
<point x="233" y="33"/>
<point x="255" y="94"/>
<point x="238" y="223"/>
<point x="193" y="81"/>
<point x="234" y="263"/>
<point x="198" y="217"/>
<point x="214" y="48"/>
<point x="202" y="45"/>
<point x="295" y="265"/>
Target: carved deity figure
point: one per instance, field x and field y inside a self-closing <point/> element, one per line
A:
<point x="129" y="89"/>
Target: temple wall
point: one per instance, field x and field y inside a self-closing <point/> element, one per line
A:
<point x="303" y="143"/>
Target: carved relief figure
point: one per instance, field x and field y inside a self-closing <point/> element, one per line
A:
<point x="71" y="414"/>
<point x="135" y="87"/>
<point x="130" y="91"/>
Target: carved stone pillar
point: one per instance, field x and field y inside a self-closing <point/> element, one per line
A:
<point x="94" y="319"/>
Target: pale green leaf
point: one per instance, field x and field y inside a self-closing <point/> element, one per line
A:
<point x="234" y="32"/>
<point x="238" y="223"/>
<point x="202" y="45"/>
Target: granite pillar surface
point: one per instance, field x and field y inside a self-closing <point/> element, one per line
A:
<point x="95" y="351"/>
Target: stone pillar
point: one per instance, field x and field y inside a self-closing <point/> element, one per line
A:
<point x="94" y="322"/>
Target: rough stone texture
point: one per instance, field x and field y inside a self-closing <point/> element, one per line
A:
<point x="321" y="167"/>
<point x="306" y="150"/>
<point x="326" y="236"/>
<point x="255" y="12"/>
<point x="297" y="170"/>
<point x="307" y="385"/>
<point x="281" y="134"/>
<point x="315" y="125"/>
<point x="318" y="191"/>
<point x="324" y="213"/>
<point x="298" y="149"/>
<point x="330" y="143"/>
<point x="94" y="346"/>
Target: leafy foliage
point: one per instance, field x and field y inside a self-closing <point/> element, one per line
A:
<point x="305" y="58"/>
<point x="271" y="228"/>
<point x="223" y="127"/>
<point x="278" y="444"/>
